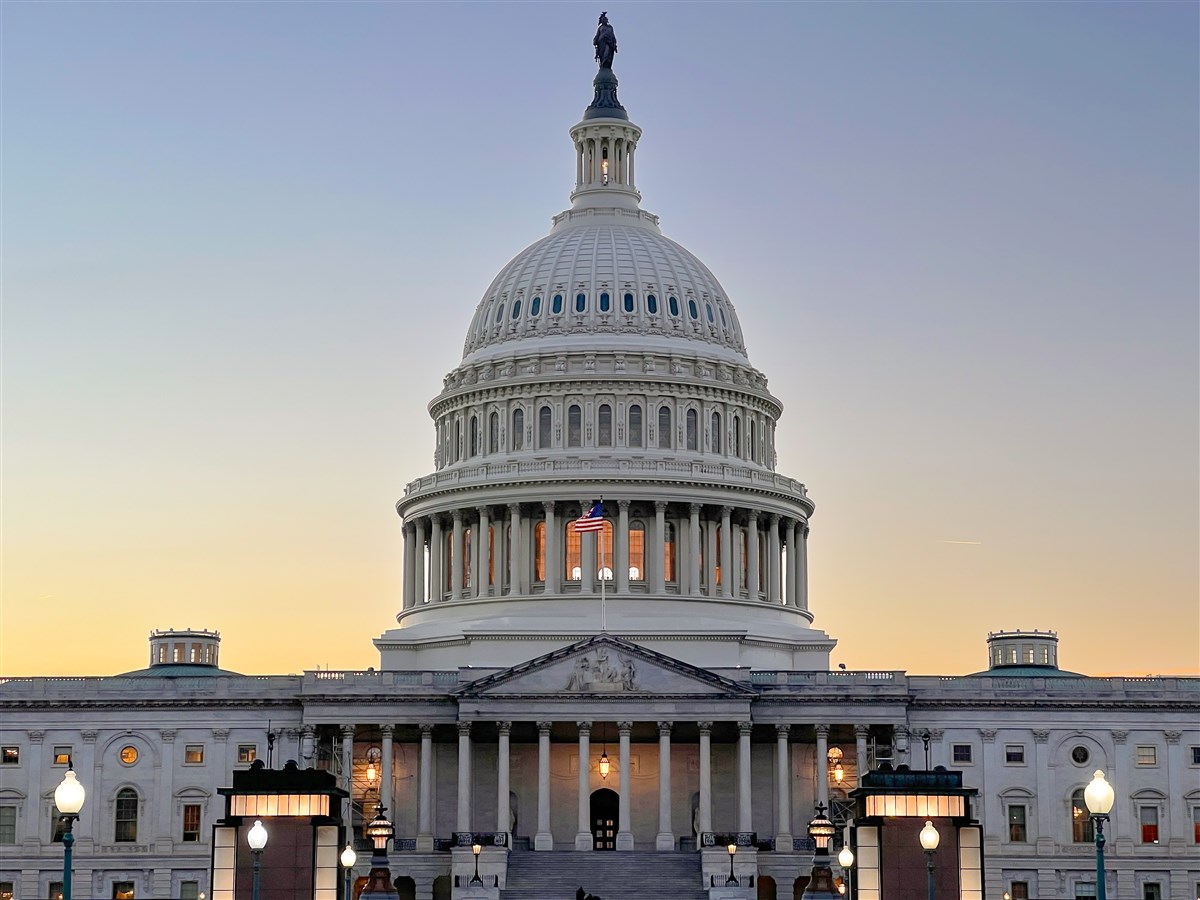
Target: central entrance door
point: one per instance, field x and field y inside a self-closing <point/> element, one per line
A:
<point x="605" y="805"/>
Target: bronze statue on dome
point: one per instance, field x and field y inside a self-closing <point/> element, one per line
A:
<point x="605" y="42"/>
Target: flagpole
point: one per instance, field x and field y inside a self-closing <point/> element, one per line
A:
<point x="600" y="554"/>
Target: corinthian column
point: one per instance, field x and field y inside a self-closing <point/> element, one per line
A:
<point x="543" y="840"/>
<point x="583" y="836"/>
<point x="624" y="809"/>
<point x="455" y="560"/>
<point x="463" y="819"/>
<point x="503" y="818"/>
<point x="823" y="765"/>
<point x="419" y="574"/>
<point x="656" y="558"/>
<point x="783" y="787"/>
<point x="553" y="542"/>
<point x="425" y="788"/>
<point x="752" y="552"/>
<point x="665" y="840"/>
<point x="437" y="574"/>
<point x="514" y="548"/>
<point x="744" y="812"/>
<point x="705" y="776"/>
<point x="621" y="563"/>
<point x="773" y="555"/>
<point x="726" y="554"/>
<point x="694" y="549"/>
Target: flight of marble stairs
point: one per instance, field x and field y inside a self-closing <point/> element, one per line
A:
<point x="610" y="875"/>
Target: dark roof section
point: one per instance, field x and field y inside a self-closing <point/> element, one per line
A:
<point x="178" y="670"/>
<point x="1026" y="671"/>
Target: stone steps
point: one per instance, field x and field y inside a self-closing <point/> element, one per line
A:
<point x="610" y="875"/>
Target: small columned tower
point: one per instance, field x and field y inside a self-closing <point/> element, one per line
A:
<point x="605" y="149"/>
<point x="193" y="647"/>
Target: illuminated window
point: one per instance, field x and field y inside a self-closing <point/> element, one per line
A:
<point x="1148" y="819"/>
<point x="1082" y="831"/>
<point x="744" y="550"/>
<point x="1196" y="824"/>
<point x="693" y="428"/>
<point x="1014" y="754"/>
<point x="605" y="303"/>
<point x="556" y="305"/>
<point x="637" y="551"/>
<point x="6" y="890"/>
<point x="62" y="755"/>
<point x="574" y="426"/>
<point x="573" y="558"/>
<point x="664" y="428"/>
<point x="573" y="541"/>
<point x="1019" y="890"/>
<point x="518" y="429"/>
<point x="635" y="426"/>
<point x="539" y="551"/>
<point x="247" y="753"/>
<point x="467" y="555"/>
<point x="961" y="754"/>
<point x="128" y="754"/>
<point x="545" y="427"/>
<point x="123" y="890"/>
<point x="715" y="436"/>
<point x="125" y="817"/>
<point x="1016" y="823"/>
<point x="193" y="754"/>
<point x="1147" y="756"/>
<point x="56" y="890"/>
<point x="10" y="756"/>
<point x="669" y="574"/>
<point x="604" y="426"/>
<point x="8" y="824"/>
<point x="191" y="823"/>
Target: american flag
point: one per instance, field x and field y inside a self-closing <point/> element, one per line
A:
<point x="592" y="520"/>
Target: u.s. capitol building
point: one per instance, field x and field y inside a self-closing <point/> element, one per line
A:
<point x="677" y="644"/>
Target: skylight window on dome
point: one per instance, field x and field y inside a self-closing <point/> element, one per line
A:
<point x="652" y="304"/>
<point x="709" y="310"/>
<point x="692" y="310"/>
<point x="724" y="323"/>
<point x="581" y="303"/>
<point x="556" y="305"/>
<point x="629" y="303"/>
<point x="605" y="303"/>
<point x="499" y="313"/>
<point x="673" y="307"/>
<point x="516" y="313"/>
<point x="535" y="308"/>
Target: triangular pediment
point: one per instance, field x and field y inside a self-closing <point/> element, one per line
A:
<point x="605" y="667"/>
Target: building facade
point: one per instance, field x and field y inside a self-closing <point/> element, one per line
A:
<point x="655" y="685"/>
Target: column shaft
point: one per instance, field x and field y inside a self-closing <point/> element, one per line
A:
<point x="514" y="548"/>
<point x="503" y="816"/>
<point x="783" y="787"/>
<point x="694" y="549"/>
<point x="553" y="542"/>
<point x="455" y="560"/>
<point x="666" y="837"/>
<point x="726" y="554"/>
<point x="419" y="528"/>
<point x="710" y="557"/>
<point x="348" y="759"/>
<point x="705" y="776"/>
<point x="437" y="574"/>
<point x="587" y="556"/>
<point x="385" y="770"/>
<point x="789" y="580"/>
<point x="483" y="582"/>
<point x="463" y="819"/>
<point x="752" y="579"/>
<point x="744" y="810"/>
<point x="861" y="732"/>
<point x="583" y="835"/>
<point x="802" y="567"/>
<point x="773" y="559"/>
<point x="410" y="557"/>
<point x="822" y="775"/>
<point x="624" y="809"/>
<point x="621" y="564"/>
<point x="657" y="561"/>
<point x="543" y="840"/>
<point x="425" y="786"/>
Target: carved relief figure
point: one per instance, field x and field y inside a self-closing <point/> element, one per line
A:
<point x="605" y="42"/>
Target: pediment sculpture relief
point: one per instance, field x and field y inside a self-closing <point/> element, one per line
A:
<point x="596" y="673"/>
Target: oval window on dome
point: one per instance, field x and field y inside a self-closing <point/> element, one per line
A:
<point x="724" y="323"/>
<point x="499" y="312"/>
<point x="629" y="303"/>
<point x="535" y="308"/>
<point x="516" y="313"/>
<point x="652" y="304"/>
<point x="605" y="303"/>
<point x="556" y="304"/>
<point x="708" y="309"/>
<point x="580" y="302"/>
<point x="692" y="310"/>
<point x="673" y="307"/>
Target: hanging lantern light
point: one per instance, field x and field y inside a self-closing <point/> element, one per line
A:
<point x="605" y="765"/>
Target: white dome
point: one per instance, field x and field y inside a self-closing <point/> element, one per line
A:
<point x="591" y="278"/>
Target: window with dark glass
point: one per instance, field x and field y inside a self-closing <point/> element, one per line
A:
<point x="56" y="890"/>
<point x="580" y="302"/>
<point x="458" y="441"/>
<point x="8" y="824"/>
<point x="499" y="313"/>
<point x="664" y="427"/>
<point x="1016" y="823"/>
<point x="724" y="324"/>
<point x="191" y="823"/>
<point x="474" y="435"/>
<point x="672" y="306"/>
<point x="125" y="817"/>
<point x="652" y="304"/>
<point x="1151" y="890"/>
<point x="736" y="449"/>
<point x="961" y="753"/>
<point x="715" y="437"/>
<point x="635" y="426"/>
<point x="494" y="432"/>
<point x="10" y="756"/>
<point x="1195" y="756"/>
<point x="709" y="310"/>
<point x="1019" y="890"/>
<point x="692" y="310"/>
<point x="574" y="426"/>
<point x="629" y="303"/>
<point x="605" y="303"/>
<point x="692" y="427"/>
<point x="535" y="308"/>
<point x="556" y="305"/>
<point x="1014" y="754"/>
<point x="604" y="426"/>
<point x="516" y="313"/>
<point x="753" y="442"/>
<point x="545" y="427"/>
<point x="189" y="890"/>
<point x="1082" y="831"/>
<point x="1148" y="819"/>
<point x="518" y="429"/>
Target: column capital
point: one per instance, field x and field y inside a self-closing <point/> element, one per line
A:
<point x="744" y="728"/>
<point x="544" y="727"/>
<point x="514" y="509"/>
<point x="781" y="731"/>
<point x="1119" y="736"/>
<point x="89" y="737"/>
<point x="585" y="728"/>
<point x="410" y="528"/>
<point x="308" y="729"/>
<point x="548" y="507"/>
<point x="726" y="511"/>
<point x="623" y="505"/>
<point x="464" y="729"/>
<point x="624" y="728"/>
<point x="504" y="727"/>
<point x="773" y="519"/>
<point x="694" y="509"/>
<point x="168" y="735"/>
<point x="664" y="729"/>
<point x="457" y="516"/>
<point x="347" y="730"/>
<point x="387" y="730"/>
<point x="821" y="730"/>
<point x="426" y="729"/>
<point x="660" y="506"/>
<point x="1172" y="736"/>
<point x="482" y="510"/>
<point x="705" y="727"/>
<point x="752" y="516"/>
<point x="862" y="731"/>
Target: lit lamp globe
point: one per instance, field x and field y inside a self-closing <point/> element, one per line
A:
<point x="821" y="830"/>
<point x="349" y="857"/>
<point x="1098" y="795"/>
<point x="257" y="837"/>
<point x="846" y="858"/>
<point x="930" y="838"/>
<point x="69" y="794"/>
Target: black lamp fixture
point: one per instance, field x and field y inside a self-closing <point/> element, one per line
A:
<point x="731" y="881"/>
<point x="379" y="830"/>
<point x="476" y="849"/>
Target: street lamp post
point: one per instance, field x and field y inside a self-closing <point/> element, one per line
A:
<point x="68" y="797"/>
<point x="256" y="837"/>
<point x="732" y="879"/>
<point x="348" y="859"/>
<point x="380" y="831"/>
<point x="1099" y="796"/>
<point x="476" y="849"/>
<point x="929" y="843"/>
<point x="846" y="861"/>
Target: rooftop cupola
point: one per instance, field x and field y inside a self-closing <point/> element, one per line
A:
<point x="605" y="139"/>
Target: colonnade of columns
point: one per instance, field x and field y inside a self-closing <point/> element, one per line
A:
<point x="665" y="838"/>
<point x="590" y="154"/>
<point x="697" y="550"/>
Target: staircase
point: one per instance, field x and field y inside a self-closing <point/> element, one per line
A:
<point x="617" y="875"/>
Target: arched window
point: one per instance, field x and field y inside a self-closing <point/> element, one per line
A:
<point x="744" y="550"/>
<point x="466" y="556"/>
<point x="736" y="449"/>
<point x="494" y="432"/>
<point x="673" y="307"/>
<point x="692" y="310"/>
<point x="669" y="573"/>
<point x="539" y="551"/>
<point x="629" y="303"/>
<point x="580" y="303"/>
<point x="637" y="551"/>
<point x="605" y="303"/>
<point x="573" y="558"/>
<point x="125" y="817"/>
<point x="635" y="426"/>
<point x="518" y="429"/>
<point x="556" y="305"/>
<point x="574" y="426"/>
<point x="516" y="313"/>
<point x="499" y="313"/>
<point x="451" y="556"/>
<point x="664" y="428"/>
<point x="474" y="435"/>
<point x="715" y="437"/>
<point x="652" y="304"/>
<point x="573" y="561"/>
<point x="692" y="426"/>
<point x="1082" y="829"/>
<point x="545" y="428"/>
<point x="753" y="443"/>
<point x="535" y="308"/>
<point x="604" y="426"/>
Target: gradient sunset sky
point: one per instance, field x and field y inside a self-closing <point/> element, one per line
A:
<point x="242" y="243"/>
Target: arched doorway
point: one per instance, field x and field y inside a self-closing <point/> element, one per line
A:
<point x="605" y="806"/>
<point x="766" y="888"/>
<point x="406" y="888"/>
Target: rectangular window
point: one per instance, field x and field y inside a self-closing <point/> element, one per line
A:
<point x="1014" y="754"/>
<point x="1147" y="756"/>
<point x="189" y="890"/>
<point x="62" y="755"/>
<point x="1148" y="817"/>
<point x="123" y="890"/>
<point x="1020" y="890"/>
<point x="1085" y="890"/>
<point x="6" y="890"/>
<point x="8" y="824"/>
<point x="193" y="754"/>
<point x="56" y="890"/>
<point x="1196" y="830"/>
<point x="1016" y="823"/>
<point x="1151" y="890"/>
<point x="247" y="753"/>
<point x="1195" y="756"/>
<point x="10" y="756"/>
<point x="191" y="823"/>
<point x="961" y="753"/>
